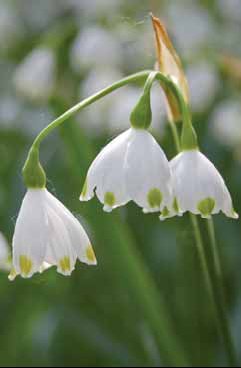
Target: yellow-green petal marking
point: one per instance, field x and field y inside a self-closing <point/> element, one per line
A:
<point x="64" y="264"/>
<point x="154" y="198"/>
<point x="109" y="199"/>
<point x="206" y="206"/>
<point x="84" y="190"/>
<point x="26" y="265"/>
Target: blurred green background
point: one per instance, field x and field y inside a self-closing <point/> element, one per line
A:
<point x="52" y="54"/>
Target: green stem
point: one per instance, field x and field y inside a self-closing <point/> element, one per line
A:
<point x="88" y="101"/>
<point x="216" y="276"/>
<point x="137" y="77"/>
<point x="210" y="264"/>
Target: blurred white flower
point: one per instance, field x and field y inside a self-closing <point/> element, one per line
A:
<point x="95" y="118"/>
<point x="191" y="25"/>
<point x="204" y="84"/>
<point x="35" y="77"/>
<point x="10" y="109"/>
<point x="226" y="123"/>
<point x="40" y="14"/>
<point x="47" y="234"/>
<point x="96" y="8"/>
<point x="94" y="47"/>
<point x="131" y="167"/>
<point x="5" y="263"/>
<point x="230" y="9"/>
<point x="198" y="186"/>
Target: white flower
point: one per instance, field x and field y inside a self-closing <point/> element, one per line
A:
<point x="131" y="167"/>
<point x="5" y="263"/>
<point x="226" y="122"/>
<point x="198" y="186"/>
<point x="35" y="76"/>
<point x="206" y="74"/>
<point x="47" y="234"/>
<point x="94" y="47"/>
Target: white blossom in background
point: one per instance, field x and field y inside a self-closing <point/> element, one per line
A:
<point x="10" y="110"/>
<point x="5" y="263"/>
<point x="94" y="47"/>
<point x="47" y="234"/>
<point x="131" y="167"/>
<point x="95" y="8"/>
<point x="39" y="14"/>
<point x="33" y="118"/>
<point x="34" y="78"/>
<point x="226" y="123"/>
<point x="11" y="28"/>
<point x="198" y="186"/>
<point x="230" y="9"/>
<point x="202" y="77"/>
<point x="95" y="118"/>
<point x="191" y="25"/>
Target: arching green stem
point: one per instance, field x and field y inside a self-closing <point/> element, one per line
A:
<point x="88" y="101"/>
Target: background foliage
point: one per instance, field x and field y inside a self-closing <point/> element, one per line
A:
<point x="95" y="318"/>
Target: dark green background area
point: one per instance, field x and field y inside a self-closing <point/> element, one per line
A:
<point x="97" y="317"/>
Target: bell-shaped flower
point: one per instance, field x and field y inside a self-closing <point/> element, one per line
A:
<point x="47" y="234"/>
<point x="131" y="167"/>
<point x="198" y="186"/>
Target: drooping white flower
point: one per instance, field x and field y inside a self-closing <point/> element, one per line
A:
<point x="47" y="234"/>
<point x="35" y="76"/>
<point x="131" y="167"/>
<point x="5" y="263"/>
<point x="198" y="186"/>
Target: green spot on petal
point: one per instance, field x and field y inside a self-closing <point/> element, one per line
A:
<point x="154" y="198"/>
<point x="25" y="265"/>
<point x="64" y="264"/>
<point x="165" y="212"/>
<point x="90" y="254"/>
<point x="206" y="206"/>
<point x="109" y="199"/>
<point x="84" y="190"/>
<point x="175" y="205"/>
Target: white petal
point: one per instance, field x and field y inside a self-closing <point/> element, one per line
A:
<point x="59" y="249"/>
<point x="196" y="179"/>
<point x="31" y="233"/>
<point x="79" y="239"/>
<point x="106" y="174"/>
<point x="5" y="263"/>
<point x="148" y="175"/>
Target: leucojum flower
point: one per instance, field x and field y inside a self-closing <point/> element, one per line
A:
<point x="197" y="185"/>
<point x="46" y="233"/>
<point x="132" y="167"/>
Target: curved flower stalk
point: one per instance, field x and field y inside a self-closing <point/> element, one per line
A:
<point x="131" y="167"/>
<point x="46" y="233"/>
<point x="198" y="186"/>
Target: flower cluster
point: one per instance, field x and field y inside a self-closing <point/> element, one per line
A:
<point x="131" y="167"/>
<point x="134" y="167"/>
